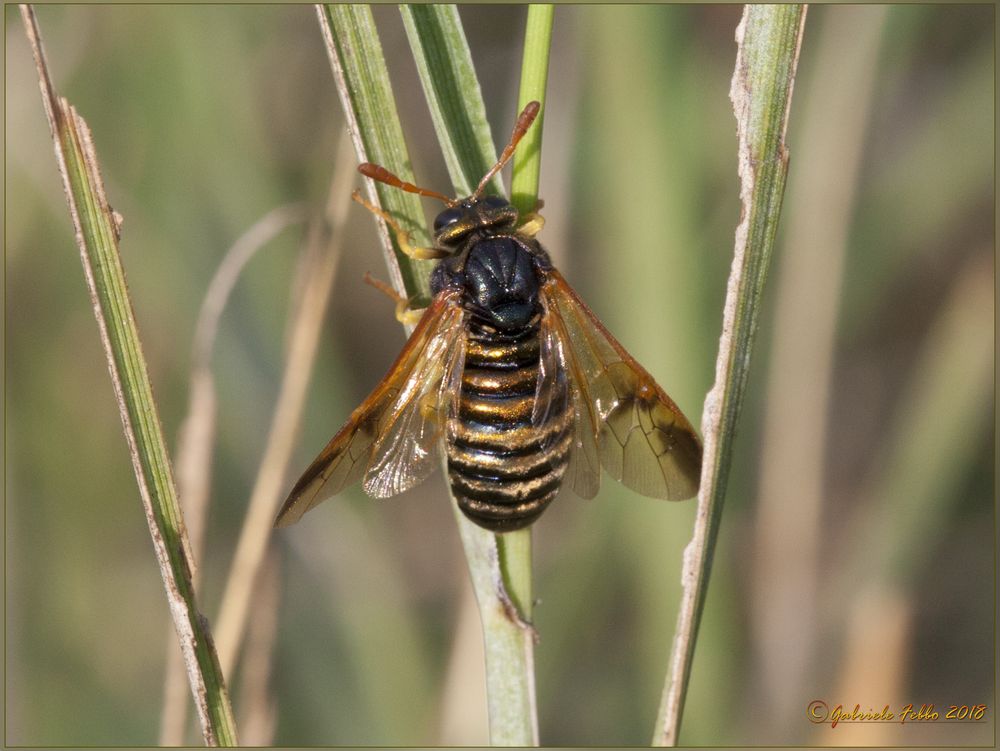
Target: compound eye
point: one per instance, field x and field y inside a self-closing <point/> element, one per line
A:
<point x="446" y="217"/>
<point x="495" y="202"/>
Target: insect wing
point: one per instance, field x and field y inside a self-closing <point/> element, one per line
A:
<point x="642" y="438"/>
<point x="390" y="440"/>
<point x="407" y="449"/>
<point x="559" y="379"/>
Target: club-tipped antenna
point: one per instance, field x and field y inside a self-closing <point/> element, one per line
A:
<point x="524" y="121"/>
<point x="380" y="173"/>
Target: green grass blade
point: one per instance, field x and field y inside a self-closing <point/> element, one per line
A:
<point x="97" y="231"/>
<point x="515" y="547"/>
<point x="455" y="100"/>
<point x="453" y="94"/>
<point x="768" y="40"/>
<point x="366" y="94"/>
<point x="448" y="77"/>
<point x="534" y="77"/>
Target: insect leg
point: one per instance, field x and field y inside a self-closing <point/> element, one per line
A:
<point x="533" y="223"/>
<point x="402" y="236"/>
<point x="404" y="313"/>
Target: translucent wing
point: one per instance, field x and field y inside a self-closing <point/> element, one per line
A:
<point x="392" y="439"/>
<point x="623" y="417"/>
<point x="559" y="379"/>
<point x="407" y="449"/>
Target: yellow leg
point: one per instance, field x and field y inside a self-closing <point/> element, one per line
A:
<point x="404" y="313"/>
<point x="532" y="222"/>
<point x="532" y="225"/>
<point x="402" y="236"/>
<point x="408" y="316"/>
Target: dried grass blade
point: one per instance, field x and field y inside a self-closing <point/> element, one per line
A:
<point x="324" y="247"/>
<point x="768" y="39"/>
<point x="195" y="445"/>
<point x="98" y="229"/>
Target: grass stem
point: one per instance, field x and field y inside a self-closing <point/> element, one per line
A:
<point x="768" y="39"/>
<point x="98" y="230"/>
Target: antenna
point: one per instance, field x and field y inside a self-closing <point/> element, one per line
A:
<point x="380" y="173"/>
<point x="524" y="121"/>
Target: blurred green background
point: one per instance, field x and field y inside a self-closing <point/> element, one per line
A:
<point x="856" y="560"/>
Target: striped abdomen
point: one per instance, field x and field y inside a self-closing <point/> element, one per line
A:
<point x="504" y="471"/>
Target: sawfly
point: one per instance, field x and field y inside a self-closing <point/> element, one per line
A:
<point x="512" y="374"/>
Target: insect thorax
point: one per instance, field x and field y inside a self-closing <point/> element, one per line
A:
<point x="500" y="276"/>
